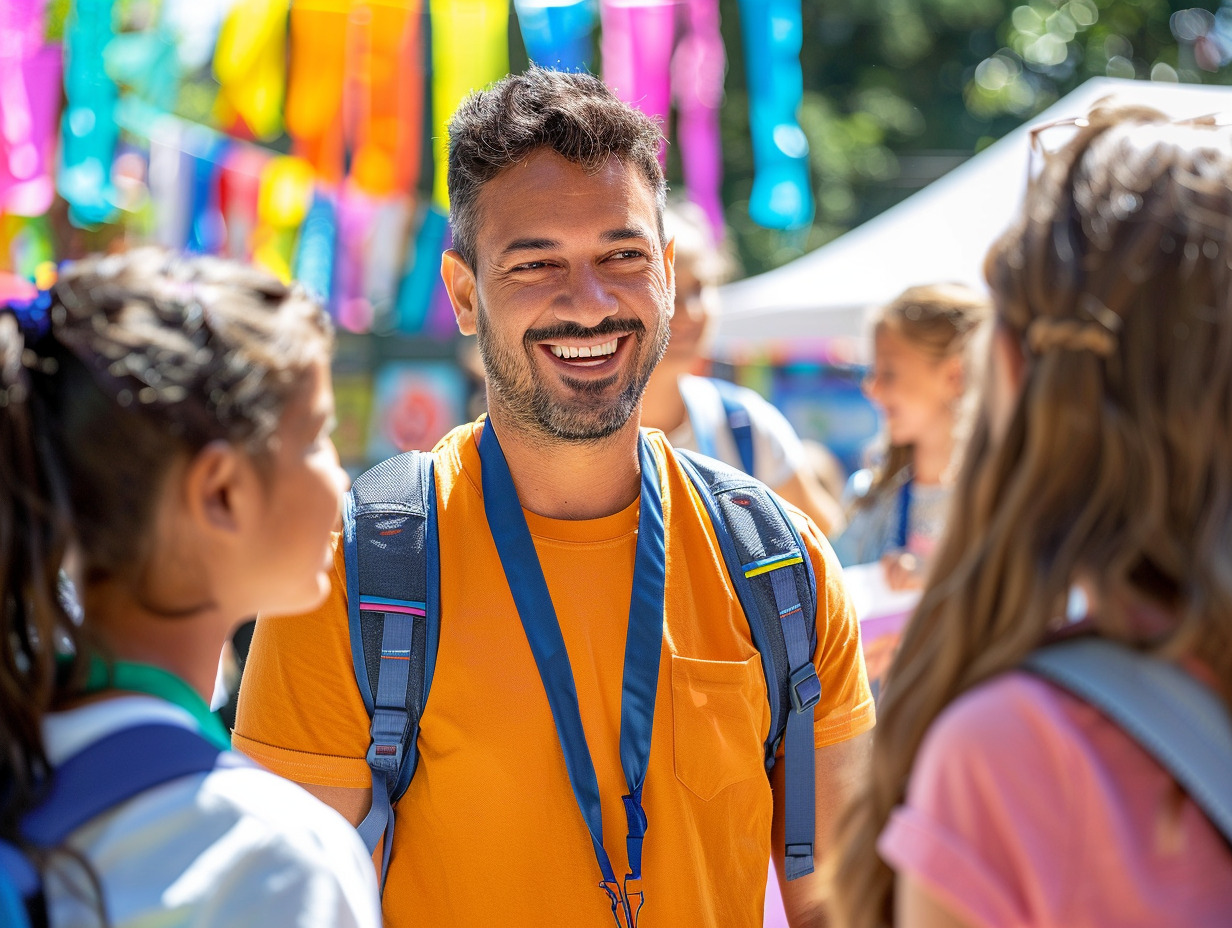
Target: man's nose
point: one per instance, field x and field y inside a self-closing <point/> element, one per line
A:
<point x="587" y="298"/>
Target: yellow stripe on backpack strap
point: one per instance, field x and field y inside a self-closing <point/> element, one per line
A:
<point x="760" y="568"/>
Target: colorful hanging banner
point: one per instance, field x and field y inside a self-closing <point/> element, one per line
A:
<point x="250" y="64"/>
<point x="315" y="76"/>
<point x="782" y="196"/>
<point x="206" y="229"/>
<point x="385" y="95"/>
<point x="239" y="195"/>
<point x="29" y="99"/>
<point x="318" y="239"/>
<point x="637" y="55"/>
<point x="558" y="33"/>
<point x="171" y="177"/>
<point x="283" y="201"/>
<point x="698" y="67"/>
<point x="470" y="50"/>
<point x="88" y="129"/>
<point x="421" y="272"/>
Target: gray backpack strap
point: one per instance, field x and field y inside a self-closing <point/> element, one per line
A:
<point x="1180" y="722"/>
<point x="393" y="610"/>
<point x="773" y="578"/>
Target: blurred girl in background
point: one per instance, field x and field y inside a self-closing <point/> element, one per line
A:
<point x="165" y="429"/>
<point x="1104" y="460"/>
<point x="923" y="380"/>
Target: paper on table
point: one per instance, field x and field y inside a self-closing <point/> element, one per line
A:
<point x="882" y="613"/>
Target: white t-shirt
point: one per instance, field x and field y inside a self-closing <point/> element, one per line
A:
<point x="235" y="846"/>
<point x="777" y="452"/>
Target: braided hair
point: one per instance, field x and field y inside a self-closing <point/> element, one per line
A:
<point x="129" y="362"/>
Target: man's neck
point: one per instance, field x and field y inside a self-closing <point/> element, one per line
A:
<point x="572" y="480"/>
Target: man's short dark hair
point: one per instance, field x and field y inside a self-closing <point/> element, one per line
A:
<point x="574" y="115"/>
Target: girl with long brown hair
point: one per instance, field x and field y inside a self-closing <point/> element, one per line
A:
<point x="1102" y="463"/>
<point x="164" y="440"/>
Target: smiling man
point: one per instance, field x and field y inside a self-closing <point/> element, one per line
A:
<point x="561" y="268"/>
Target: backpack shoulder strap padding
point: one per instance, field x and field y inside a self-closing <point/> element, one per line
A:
<point x="773" y="578"/>
<point x="110" y="771"/>
<point x="1180" y="722"/>
<point x="114" y="769"/>
<point x="392" y="570"/>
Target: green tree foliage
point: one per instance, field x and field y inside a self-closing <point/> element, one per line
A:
<point x="898" y="91"/>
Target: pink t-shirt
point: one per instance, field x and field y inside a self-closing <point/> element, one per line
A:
<point x="1026" y="807"/>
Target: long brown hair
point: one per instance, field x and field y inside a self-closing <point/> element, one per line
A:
<point x="941" y="321"/>
<point x="1116" y="463"/>
<point x="134" y="360"/>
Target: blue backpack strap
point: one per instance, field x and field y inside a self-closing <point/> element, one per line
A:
<point x="114" y="769"/>
<point x="738" y="420"/>
<point x="21" y="896"/>
<point x="774" y="581"/>
<point x="392" y="572"/>
<point x="97" y="779"/>
<point x="1180" y="722"/>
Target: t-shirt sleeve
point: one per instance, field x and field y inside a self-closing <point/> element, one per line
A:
<point x="777" y="450"/>
<point x="300" y="712"/>
<point x="846" y="706"/>
<point x="987" y="825"/>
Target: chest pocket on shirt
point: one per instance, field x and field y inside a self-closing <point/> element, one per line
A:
<point x="717" y="714"/>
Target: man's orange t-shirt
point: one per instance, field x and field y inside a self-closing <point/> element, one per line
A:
<point x="489" y="832"/>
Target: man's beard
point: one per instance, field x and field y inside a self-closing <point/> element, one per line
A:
<point x="589" y="414"/>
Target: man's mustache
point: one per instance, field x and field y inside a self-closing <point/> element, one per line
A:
<point x="571" y="330"/>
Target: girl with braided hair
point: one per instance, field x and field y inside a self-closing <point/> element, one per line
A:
<point x="165" y="440"/>
<point x="1103" y="462"/>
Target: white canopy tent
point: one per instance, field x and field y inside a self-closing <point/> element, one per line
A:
<point x="938" y="234"/>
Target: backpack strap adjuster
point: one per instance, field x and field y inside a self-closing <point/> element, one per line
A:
<point x="805" y="688"/>
<point x="385" y="756"/>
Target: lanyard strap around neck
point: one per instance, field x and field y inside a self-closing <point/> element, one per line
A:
<point x="149" y="680"/>
<point x="642" y="648"/>
<point x="904" y="514"/>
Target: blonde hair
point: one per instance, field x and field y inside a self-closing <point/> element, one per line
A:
<point x="941" y="321"/>
<point x="1116" y="464"/>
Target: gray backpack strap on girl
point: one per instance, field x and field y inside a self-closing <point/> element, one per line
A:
<point x="1180" y="722"/>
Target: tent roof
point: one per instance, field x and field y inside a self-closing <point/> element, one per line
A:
<point x="939" y="234"/>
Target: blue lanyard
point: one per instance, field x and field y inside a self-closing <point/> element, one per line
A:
<point x="642" y="646"/>
<point x="904" y="514"/>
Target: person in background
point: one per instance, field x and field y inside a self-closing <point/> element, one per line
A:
<point x="164" y="436"/>
<point x="1103" y="460"/>
<point x="926" y="345"/>
<point x="716" y="417"/>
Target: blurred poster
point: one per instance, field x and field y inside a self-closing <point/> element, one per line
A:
<point x="882" y="613"/>
<point x="414" y="404"/>
<point x="824" y="402"/>
<point x="353" y="401"/>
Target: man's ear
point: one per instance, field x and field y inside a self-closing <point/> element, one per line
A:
<point x="218" y="482"/>
<point x="461" y="287"/>
<point x="669" y="269"/>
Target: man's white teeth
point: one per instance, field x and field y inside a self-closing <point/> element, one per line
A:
<point x="595" y="351"/>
